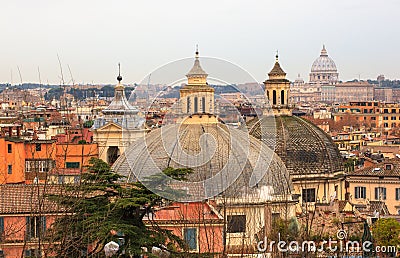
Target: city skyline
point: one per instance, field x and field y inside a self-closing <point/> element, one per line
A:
<point x="359" y="37"/>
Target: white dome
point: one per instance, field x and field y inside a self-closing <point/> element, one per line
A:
<point x="323" y="63"/>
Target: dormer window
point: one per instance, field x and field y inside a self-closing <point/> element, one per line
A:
<point x="388" y="166"/>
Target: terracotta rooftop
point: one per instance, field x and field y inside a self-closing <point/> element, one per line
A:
<point x="28" y="199"/>
<point x="379" y="169"/>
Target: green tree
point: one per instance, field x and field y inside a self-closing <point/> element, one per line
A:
<point x="102" y="209"/>
<point x="386" y="232"/>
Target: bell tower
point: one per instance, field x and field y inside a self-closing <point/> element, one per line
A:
<point x="277" y="89"/>
<point x="197" y="97"/>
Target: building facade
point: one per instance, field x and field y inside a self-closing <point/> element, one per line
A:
<point x="120" y="125"/>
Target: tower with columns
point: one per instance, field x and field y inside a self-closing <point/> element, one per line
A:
<point x="277" y="90"/>
<point x="197" y="97"/>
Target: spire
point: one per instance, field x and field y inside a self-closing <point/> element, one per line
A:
<point x="323" y="51"/>
<point x="119" y="77"/>
<point x="277" y="70"/>
<point x="197" y="70"/>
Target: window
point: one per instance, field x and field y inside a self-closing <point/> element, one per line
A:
<point x="188" y="105"/>
<point x="388" y="166"/>
<point x="397" y="194"/>
<point x="385" y="124"/>
<point x="72" y="164"/>
<point x="9" y="148"/>
<point x="236" y="224"/>
<point x="360" y="192"/>
<point x="38" y="147"/>
<point x="385" y="118"/>
<point x="385" y="111"/>
<point x="380" y="193"/>
<point x="393" y="111"/>
<point x="39" y="165"/>
<point x="393" y="118"/>
<point x="1" y="227"/>
<point x="373" y="118"/>
<point x="35" y="226"/>
<point x="61" y="179"/>
<point x="196" y="105"/>
<point x="9" y="169"/>
<point x="308" y="195"/>
<point x="77" y="179"/>
<point x="203" y="104"/>
<point x="32" y="253"/>
<point x="190" y="237"/>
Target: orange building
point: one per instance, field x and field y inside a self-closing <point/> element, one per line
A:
<point x="36" y="161"/>
<point x="198" y="223"/>
<point x="372" y="114"/>
<point x="11" y="163"/>
<point x="71" y="160"/>
<point x="25" y="217"/>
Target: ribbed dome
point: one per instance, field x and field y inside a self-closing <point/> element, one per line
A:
<point x="304" y="147"/>
<point x="217" y="153"/>
<point x="323" y="63"/>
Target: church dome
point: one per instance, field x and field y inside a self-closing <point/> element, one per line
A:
<point x="217" y="153"/>
<point x="304" y="148"/>
<point x="323" y="63"/>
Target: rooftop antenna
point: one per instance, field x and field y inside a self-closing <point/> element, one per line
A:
<point x="19" y="71"/>
<point x="40" y="85"/>
<point x="62" y="82"/>
<point x="147" y="94"/>
<point x="61" y="70"/>
<point x="72" y="78"/>
<point x="11" y="77"/>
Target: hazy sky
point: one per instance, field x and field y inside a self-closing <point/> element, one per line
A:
<point x="92" y="36"/>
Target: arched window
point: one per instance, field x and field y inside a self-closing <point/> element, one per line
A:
<point x="196" y="105"/>
<point x="268" y="95"/>
<point x="274" y="97"/>
<point x="282" y="97"/>
<point x="203" y="104"/>
<point x="188" y="105"/>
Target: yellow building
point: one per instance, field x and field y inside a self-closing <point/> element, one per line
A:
<point x="377" y="186"/>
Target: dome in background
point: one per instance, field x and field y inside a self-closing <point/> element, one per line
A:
<point x="324" y="70"/>
<point x="323" y="63"/>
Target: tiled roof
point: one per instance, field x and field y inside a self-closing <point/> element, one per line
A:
<point x="379" y="169"/>
<point x="277" y="70"/>
<point x="303" y="146"/>
<point x="373" y="206"/>
<point x="28" y="199"/>
<point x="196" y="70"/>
